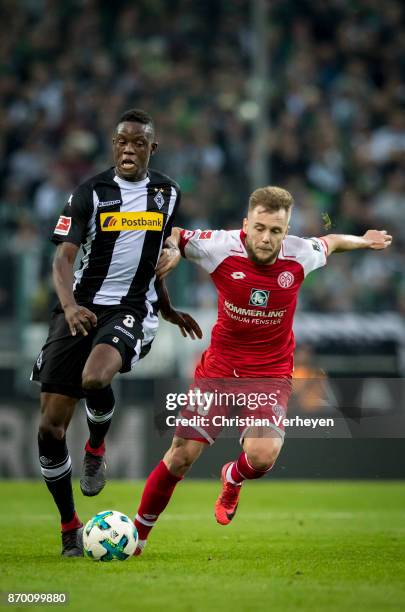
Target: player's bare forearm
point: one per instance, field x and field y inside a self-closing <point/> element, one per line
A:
<point x="174" y="237"/>
<point x="165" y="305"/>
<point x="62" y="273"/>
<point x="79" y="318"/>
<point x="372" y="239"/>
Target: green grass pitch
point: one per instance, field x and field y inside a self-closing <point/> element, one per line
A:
<point x="292" y="546"/>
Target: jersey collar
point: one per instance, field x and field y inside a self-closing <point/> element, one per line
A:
<point x="130" y="184"/>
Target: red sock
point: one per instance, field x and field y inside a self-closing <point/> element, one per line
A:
<point x="158" y="490"/>
<point x="241" y="470"/>
<point x="98" y="452"/>
<point x="74" y="523"/>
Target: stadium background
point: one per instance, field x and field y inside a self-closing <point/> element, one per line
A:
<point x="311" y="98"/>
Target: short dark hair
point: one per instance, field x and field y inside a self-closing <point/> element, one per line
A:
<point x="137" y="115"/>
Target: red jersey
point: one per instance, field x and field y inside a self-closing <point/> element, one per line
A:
<point x="253" y="335"/>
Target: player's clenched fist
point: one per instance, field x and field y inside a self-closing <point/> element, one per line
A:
<point x="377" y="239"/>
<point x="79" y="319"/>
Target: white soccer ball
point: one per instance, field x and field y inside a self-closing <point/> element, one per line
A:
<point x="109" y="536"/>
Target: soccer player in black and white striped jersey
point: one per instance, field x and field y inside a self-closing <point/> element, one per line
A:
<point x="106" y="317"/>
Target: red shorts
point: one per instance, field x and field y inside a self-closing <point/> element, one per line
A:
<point x="220" y="401"/>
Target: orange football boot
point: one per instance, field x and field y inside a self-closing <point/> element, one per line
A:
<point x="227" y="502"/>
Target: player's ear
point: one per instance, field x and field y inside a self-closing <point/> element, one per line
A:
<point x="153" y="148"/>
<point x="245" y="225"/>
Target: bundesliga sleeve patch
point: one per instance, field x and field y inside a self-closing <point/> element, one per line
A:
<point x="63" y="226"/>
<point x="205" y="235"/>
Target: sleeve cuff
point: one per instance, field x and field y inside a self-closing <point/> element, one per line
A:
<point x="182" y="243"/>
<point x="325" y="246"/>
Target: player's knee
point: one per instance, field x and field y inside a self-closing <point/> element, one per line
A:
<point x="262" y="457"/>
<point x="93" y="381"/>
<point x="180" y="457"/>
<point x="179" y="461"/>
<point x="50" y="431"/>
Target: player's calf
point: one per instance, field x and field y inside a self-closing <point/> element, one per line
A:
<point x="161" y="483"/>
<point x="260" y="455"/>
<point x="54" y="458"/>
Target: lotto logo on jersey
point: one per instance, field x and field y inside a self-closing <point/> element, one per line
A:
<point x="259" y="297"/>
<point x="63" y="225"/>
<point x="131" y="221"/>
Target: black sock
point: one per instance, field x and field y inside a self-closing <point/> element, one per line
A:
<point x="100" y="409"/>
<point x="57" y="472"/>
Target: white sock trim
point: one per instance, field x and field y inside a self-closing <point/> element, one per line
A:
<point x="253" y="468"/>
<point x="58" y="471"/>
<point x="142" y="520"/>
<point x="99" y="418"/>
<point x="228" y="476"/>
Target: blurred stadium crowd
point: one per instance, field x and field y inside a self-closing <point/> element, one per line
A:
<point x="336" y="111"/>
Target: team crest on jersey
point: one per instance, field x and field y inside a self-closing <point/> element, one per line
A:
<point x="285" y="279"/>
<point x="259" y="297"/>
<point x="159" y="199"/>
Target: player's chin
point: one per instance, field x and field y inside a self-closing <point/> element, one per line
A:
<point x="129" y="172"/>
<point x="263" y="257"/>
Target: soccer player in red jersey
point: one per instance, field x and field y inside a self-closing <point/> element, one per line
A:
<point x="257" y="272"/>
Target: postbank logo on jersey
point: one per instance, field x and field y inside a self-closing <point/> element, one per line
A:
<point x="131" y="221"/>
<point x="259" y="297"/>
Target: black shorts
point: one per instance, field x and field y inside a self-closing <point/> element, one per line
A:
<point x="62" y="359"/>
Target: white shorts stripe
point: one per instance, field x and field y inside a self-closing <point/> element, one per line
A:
<point x="203" y="433"/>
<point x="137" y="352"/>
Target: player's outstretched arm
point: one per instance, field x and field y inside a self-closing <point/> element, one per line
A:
<point x="187" y="325"/>
<point x="79" y="318"/>
<point x="372" y="239"/>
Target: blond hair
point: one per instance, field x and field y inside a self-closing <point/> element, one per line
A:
<point x="271" y="198"/>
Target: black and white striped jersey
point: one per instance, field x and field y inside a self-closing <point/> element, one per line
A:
<point x="121" y="226"/>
